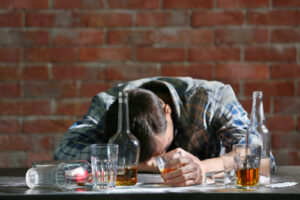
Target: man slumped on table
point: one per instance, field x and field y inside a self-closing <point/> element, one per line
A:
<point x="197" y="117"/>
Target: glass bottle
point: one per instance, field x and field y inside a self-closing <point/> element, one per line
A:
<point x="129" y="146"/>
<point x="258" y="127"/>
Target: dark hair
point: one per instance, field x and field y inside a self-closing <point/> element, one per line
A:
<point x="146" y="119"/>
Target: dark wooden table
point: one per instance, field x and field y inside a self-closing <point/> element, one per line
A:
<point x="13" y="186"/>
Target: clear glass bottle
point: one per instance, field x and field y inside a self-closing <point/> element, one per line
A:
<point x="258" y="127"/>
<point x="129" y="146"/>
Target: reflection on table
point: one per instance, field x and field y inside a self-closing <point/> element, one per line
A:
<point x="150" y="186"/>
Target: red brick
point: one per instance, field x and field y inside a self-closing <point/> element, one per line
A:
<point x="72" y="108"/>
<point x="10" y="90"/>
<point x="298" y="88"/>
<point x="284" y="140"/>
<point x="202" y="71"/>
<point x="11" y="19"/>
<point x="25" y="108"/>
<point x="241" y="35"/>
<point x="242" y="71"/>
<point x="285" y="35"/>
<point x="10" y="73"/>
<point x="184" y="36"/>
<point x="287" y="105"/>
<point x="159" y="19"/>
<point x="78" y="4"/>
<point x="10" y="126"/>
<point x="285" y="3"/>
<point x="12" y="159"/>
<point x="45" y="54"/>
<point x="281" y="123"/>
<point x="16" y="143"/>
<point x="212" y="18"/>
<point x="285" y="71"/>
<point x="46" y="126"/>
<point x="51" y="19"/>
<point x="189" y="4"/>
<point x="91" y="37"/>
<point x="38" y="157"/>
<point x="137" y="37"/>
<point x="214" y="53"/>
<point x="274" y="17"/>
<point x="23" y="38"/>
<point x="74" y="72"/>
<point x="105" y="54"/>
<point x="160" y="54"/>
<point x="77" y="37"/>
<point x="270" y="53"/>
<point x="286" y="157"/>
<point x="50" y="89"/>
<point x="130" y="72"/>
<point x="10" y="54"/>
<point x="106" y="19"/>
<point x="274" y="88"/>
<point x="35" y="73"/>
<point x="43" y="144"/>
<point x="298" y="122"/>
<point x="90" y="89"/>
<point x="243" y="3"/>
<point x="134" y="4"/>
<point x="40" y="19"/>
<point x="24" y="4"/>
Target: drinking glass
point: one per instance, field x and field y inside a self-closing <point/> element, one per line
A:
<point x="104" y="159"/>
<point x="246" y="165"/>
<point x="164" y="163"/>
<point x="58" y="175"/>
<point x="228" y="168"/>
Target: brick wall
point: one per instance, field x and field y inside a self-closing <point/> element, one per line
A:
<point x="56" y="54"/>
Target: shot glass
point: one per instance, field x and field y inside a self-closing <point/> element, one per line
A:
<point x="104" y="159"/>
<point x="164" y="163"/>
<point x="246" y="165"/>
<point x="228" y="168"/>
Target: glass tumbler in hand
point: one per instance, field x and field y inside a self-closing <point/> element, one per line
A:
<point x="164" y="163"/>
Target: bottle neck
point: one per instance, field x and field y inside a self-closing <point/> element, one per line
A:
<point x="257" y="117"/>
<point x="123" y="115"/>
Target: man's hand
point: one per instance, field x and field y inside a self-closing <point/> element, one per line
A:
<point x="188" y="169"/>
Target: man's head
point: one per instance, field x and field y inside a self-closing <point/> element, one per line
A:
<point x="150" y="121"/>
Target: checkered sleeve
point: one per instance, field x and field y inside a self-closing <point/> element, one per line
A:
<point x="75" y="144"/>
<point x="230" y="120"/>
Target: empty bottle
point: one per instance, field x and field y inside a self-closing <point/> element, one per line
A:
<point x="258" y="127"/>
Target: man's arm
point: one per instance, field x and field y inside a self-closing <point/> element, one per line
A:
<point x="75" y="144"/>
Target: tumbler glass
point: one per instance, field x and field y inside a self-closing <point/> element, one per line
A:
<point x="104" y="159"/>
<point x="246" y="165"/>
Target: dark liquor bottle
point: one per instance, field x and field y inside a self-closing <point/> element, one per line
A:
<point x="129" y="146"/>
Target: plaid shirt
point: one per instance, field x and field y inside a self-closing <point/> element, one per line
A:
<point x="209" y="118"/>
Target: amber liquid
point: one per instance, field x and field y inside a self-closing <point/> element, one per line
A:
<point x="247" y="177"/>
<point x="166" y="170"/>
<point x="128" y="178"/>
